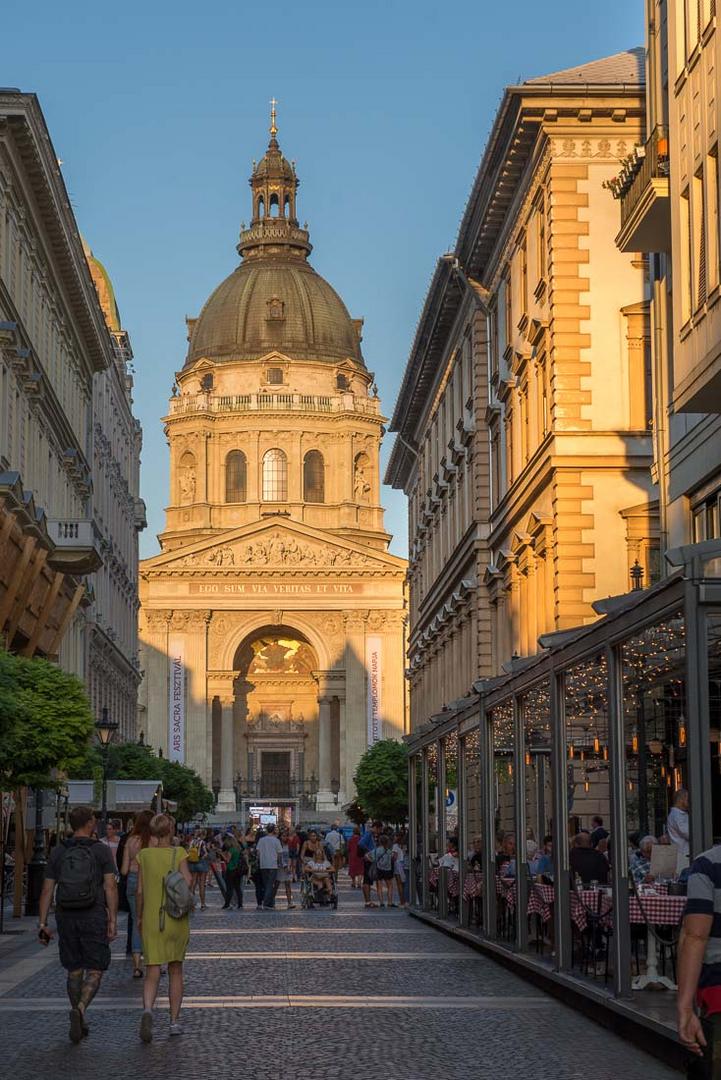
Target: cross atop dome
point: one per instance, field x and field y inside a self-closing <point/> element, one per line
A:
<point x="273" y="119"/>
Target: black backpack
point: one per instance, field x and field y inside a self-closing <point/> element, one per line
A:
<point x="77" y="884"/>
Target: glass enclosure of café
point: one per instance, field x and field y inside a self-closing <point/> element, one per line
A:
<point x="539" y="808"/>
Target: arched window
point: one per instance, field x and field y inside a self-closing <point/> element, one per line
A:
<point x="236" y="477"/>
<point x="275" y="476"/>
<point x="261" y="207"/>
<point x="313" y="477"/>
<point x="274" y="206"/>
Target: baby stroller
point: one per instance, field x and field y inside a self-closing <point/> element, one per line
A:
<point x="310" y="894"/>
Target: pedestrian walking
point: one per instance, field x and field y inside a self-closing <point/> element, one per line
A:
<point x="139" y="839"/>
<point x="81" y="873"/>
<point x="366" y="849"/>
<point x="383" y="861"/>
<point x="269" y="850"/>
<point x="699" y="968"/>
<point x="398" y="852"/>
<point x="356" y="863"/>
<point x="199" y="864"/>
<point x="294" y="853"/>
<point x="111" y="839"/>
<point x="164" y="931"/>
<point x="334" y="844"/>
<point x="235" y="870"/>
<point x="284" y="870"/>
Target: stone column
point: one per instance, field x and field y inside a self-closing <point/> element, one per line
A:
<point x="226" y="795"/>
<point x="324" y="751"/>
<point x="342" y="798"/>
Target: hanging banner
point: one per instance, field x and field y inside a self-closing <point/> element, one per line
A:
<point x="176" y="699"/>
<point x="373" y="692"/>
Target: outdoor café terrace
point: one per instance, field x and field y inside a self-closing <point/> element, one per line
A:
<point x="608" y="721"/>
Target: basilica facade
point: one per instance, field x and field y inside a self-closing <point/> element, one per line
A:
<point x="272" y="622"/>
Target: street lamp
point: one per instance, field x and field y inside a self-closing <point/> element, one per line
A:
<point x="105" y="732"/>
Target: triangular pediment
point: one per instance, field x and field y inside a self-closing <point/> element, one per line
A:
<point x="274" y="545"/>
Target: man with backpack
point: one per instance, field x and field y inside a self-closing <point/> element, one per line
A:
<point x="81" y="873"/>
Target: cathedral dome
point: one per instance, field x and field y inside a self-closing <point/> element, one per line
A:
<point x="274" y="300"/>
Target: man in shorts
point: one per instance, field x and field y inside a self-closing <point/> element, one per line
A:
<point x="86" y="908"/>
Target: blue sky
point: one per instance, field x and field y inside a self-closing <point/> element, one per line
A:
<point x="158" y="108"/>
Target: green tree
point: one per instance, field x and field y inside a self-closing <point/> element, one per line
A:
<point x="45" y="720"/>
<point x="381" y="781"/>
<point x="131" y="761"/>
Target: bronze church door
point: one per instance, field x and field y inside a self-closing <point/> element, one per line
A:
<point x="275" y="774"/>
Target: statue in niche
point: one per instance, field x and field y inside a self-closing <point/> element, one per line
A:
<point x="361" y="485"/>
<point x="186" y="479"/>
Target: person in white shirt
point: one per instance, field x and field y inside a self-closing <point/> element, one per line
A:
<point x="398" y="852"/>
<point x="333" y="843"/>
<point x="677" y="821"/>
<point x="269" y="849"/>
<point x="450" y="859"/>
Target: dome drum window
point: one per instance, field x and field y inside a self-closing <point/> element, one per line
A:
<point x="236" y="477"/>
<point x="313" y="477"/>
<point x="274" y="376"/>
<point x="275" y="476"/>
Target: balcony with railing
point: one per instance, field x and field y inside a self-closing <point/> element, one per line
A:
<point x="76" y="546"/>
<point x="275" y="402"/>
<point x="642" y="187"/>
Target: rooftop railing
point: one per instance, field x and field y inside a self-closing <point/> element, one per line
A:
<point x="288" y="402"/>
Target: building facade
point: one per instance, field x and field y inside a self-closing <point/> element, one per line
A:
<point x="611" y="717"/>
<point x="58" y="364"/>
<point x="523" y="417"/>
<point x="272" y="622"/>
<point x="668" y="188"/>
<point x="113" y="662"/>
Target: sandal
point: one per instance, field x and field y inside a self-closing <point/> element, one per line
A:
<point x="371" y="904"/>
<point x="137" y="973"/>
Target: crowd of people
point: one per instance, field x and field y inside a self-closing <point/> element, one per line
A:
<point x="159" y="875"/>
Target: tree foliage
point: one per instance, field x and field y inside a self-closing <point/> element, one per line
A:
<point x="382" y="781"/>
<point x="45" y="720"/>
<point x="131" y="761"/>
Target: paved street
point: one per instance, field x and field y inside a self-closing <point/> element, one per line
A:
<point x="320" y="994"/>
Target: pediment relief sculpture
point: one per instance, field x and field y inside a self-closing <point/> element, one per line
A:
<point x="276" y="550"/>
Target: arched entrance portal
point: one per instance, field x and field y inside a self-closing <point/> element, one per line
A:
<point x="276" y="716"/>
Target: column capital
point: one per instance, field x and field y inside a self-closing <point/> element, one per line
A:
<point x="330" y="683"/>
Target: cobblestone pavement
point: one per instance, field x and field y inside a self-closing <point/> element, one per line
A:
<point x="320" y="994"/>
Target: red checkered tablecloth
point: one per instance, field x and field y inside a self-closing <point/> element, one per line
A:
<point x="452" y="881"/>
<point x="659" y="909"/>
<point x="473" y="885"/>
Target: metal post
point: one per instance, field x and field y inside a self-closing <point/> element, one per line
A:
<point x="519" y="771"/>
<point x="488" y="797"/>
<point x="411" y="891"/>
<point x="441" y="824"/>
<point x="621" y="937"/>
<point x="697" y="705"/>
<point x="36" y="866"/>
<point x="424" y="832"/>
<point x="462" y="831"/>
<point x="104" y="806"/>
<point x="561" y="867"/>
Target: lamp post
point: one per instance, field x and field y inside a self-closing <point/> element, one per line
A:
<point x="105" y="732"/>
<point x="38" y="862"/>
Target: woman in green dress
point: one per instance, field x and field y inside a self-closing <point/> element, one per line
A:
<point x="165" y="940"/>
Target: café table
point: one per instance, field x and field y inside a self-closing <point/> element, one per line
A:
<point x="652" y="908"/>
